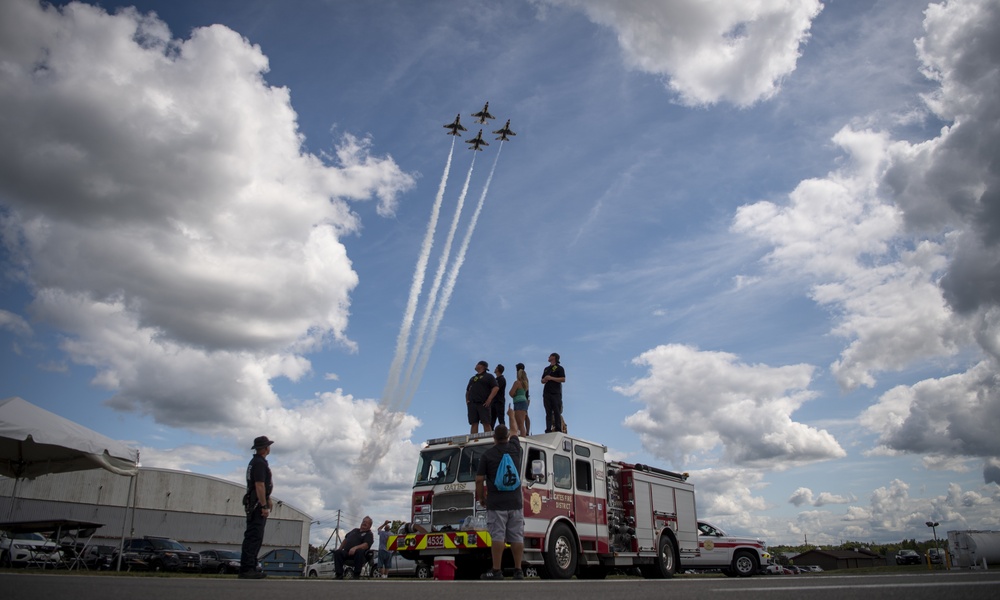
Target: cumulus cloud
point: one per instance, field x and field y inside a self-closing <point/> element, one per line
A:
<point x="166" y="215"/>
<point x="954" y="415"/>
<point x="314" y="455"/>
<point x="14" y="323"/>
<point x="709" y="50"/>
<point x="726" y="496"/>
<point x="804" y="495"/>
<point x="698" y="401"/>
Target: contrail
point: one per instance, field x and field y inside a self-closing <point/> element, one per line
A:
<point x="449" y="287"/>
<point x="407" y="389"/>
<point x="390" y="393"/>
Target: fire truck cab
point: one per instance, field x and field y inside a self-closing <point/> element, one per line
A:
<point x="583" y="514"/>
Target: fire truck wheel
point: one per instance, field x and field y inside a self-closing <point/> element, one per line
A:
<point x="666" y="558"/>
<point x="560" y="560"/>
<point x="744" y="563"/>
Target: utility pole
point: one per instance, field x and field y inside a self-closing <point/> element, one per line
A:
<point x="336" y="532"/>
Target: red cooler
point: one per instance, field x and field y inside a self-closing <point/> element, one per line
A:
<point x="444" y="568"/>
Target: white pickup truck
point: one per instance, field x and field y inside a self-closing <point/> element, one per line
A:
<point x="734" y="556"/>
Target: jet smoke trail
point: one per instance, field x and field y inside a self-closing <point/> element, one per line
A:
<point x="406" y="390"/>
<point x="449" y="287"/>
<point x="389" y="394"/>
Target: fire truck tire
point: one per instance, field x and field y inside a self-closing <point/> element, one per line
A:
<point x="744" y="563"/>
<point x="560" y="560"/>
<point x="666" y="558"/>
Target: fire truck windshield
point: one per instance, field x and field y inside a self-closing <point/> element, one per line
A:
<point x="437" y="466"/>
<point x="470" y="462"/>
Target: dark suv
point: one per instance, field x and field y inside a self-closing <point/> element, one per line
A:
<point x="161" y="554"/>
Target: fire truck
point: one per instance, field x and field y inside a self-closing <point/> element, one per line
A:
<point x="584" y="515"/>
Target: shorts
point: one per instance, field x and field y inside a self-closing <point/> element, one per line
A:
<point x="479" y="413"/>
<point x="383" y="559"/>
<point x="521" y="405"/>
<point x="506" y="525"/>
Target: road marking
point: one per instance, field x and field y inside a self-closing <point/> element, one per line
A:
<point x="856" y="586"/>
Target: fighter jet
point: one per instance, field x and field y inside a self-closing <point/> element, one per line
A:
<point x="504" y="132"/>
<point x="455" y="127"/>
<point x="484" y="114"/>
<point x="477" y="142"/>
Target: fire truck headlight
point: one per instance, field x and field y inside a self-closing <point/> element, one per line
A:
<point x="422" y="519"/>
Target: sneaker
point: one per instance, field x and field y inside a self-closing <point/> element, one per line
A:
<point x="495" y="575"/>
<point x="253" y="575"/>
<point x="518" y="574"/>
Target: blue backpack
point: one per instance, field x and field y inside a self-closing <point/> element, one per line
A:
<point x="507" y="479"/>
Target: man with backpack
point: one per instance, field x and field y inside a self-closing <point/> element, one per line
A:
<point x="498" y="486"/>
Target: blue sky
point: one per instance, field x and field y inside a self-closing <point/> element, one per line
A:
<point x="762" y="237"/>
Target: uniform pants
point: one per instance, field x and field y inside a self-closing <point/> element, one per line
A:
<point x="340" y="557"/>
<point x="553" y="411"/>
<point x="253" y="537"/>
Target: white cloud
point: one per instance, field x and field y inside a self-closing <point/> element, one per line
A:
<point x="696" y="401"/>
<point x="804" y="495"/>
<point x="169" y="220"/>
<point x="709" y="50"/>
<point x="14" y="323"/>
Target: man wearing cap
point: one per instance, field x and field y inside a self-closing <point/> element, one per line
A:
<point x="479" y="395"/>
<point x="258" y="507"/>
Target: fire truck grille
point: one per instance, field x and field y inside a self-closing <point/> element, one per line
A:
<point x="451" y="509"/>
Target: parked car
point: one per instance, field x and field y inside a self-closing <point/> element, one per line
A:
<point x="936" y="555"/>
<point x="774" y="569"/>
<point x="283" y="562"/>
<point x="398" y="567"/>
<point x="27" y="549"/>
<point x="97" y="557"/>
<point x="812" y="568"/>
<point x="908" y="557"/>
<point x="160" y="554"/>
<point x="220" y="561"/>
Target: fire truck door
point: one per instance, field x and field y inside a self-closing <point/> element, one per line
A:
<point x="585" y="501"/>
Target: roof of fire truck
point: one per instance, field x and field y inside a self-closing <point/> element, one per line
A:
<point x="553" y="440"/>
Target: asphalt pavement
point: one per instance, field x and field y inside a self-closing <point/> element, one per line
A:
<point x="941" y="585"/>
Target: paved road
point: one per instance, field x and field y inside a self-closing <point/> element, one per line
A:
<point x="924" y="586"/>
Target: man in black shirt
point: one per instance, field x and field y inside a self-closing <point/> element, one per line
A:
<point x="504" y="509"/>
<point x="498" y="408"/>
<point x="479" y="394"/>
<point x="553" y="376"/>
<point x="355" y="545"/>
<point x="258" y="507"/>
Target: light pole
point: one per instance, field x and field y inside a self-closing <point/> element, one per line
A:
<point x="933" y="525"/>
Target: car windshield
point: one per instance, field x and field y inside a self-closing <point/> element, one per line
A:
<point x="470" y="462"/>
<point x="29" y="536"/>
<point x="167" y="545"/>
<point x="229" y="555"/>
<point x="437" y="466"/>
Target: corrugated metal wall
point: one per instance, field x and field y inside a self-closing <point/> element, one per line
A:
<point x="197" y="510"/>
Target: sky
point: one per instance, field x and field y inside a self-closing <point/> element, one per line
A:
<point x="763" y="236"/>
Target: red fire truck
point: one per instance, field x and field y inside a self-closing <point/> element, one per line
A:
<point x="583" y="514"/>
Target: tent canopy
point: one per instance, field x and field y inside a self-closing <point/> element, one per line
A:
<point x="35" y="442"/>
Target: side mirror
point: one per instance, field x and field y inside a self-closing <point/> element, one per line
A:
<point x="537" y="472"/>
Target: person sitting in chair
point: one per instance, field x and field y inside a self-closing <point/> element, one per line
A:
<point x="355" y="546"/>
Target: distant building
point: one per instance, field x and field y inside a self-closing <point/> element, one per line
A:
<point x="197" y="510"/>
<point x="831" y="560"/>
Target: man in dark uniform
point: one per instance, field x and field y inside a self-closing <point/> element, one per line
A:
<point x="498" y="408"/>
<point x="354" y="547"/>
<point x="504" y="509"/>
<point x="258" y="507"/>
<point x="553" y="376"/>
<point x="479" y="394"/>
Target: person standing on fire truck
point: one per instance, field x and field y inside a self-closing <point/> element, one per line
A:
<point x="479" y="396"/>
<point x="504" y="510"/>
<point x="553" y="377"/>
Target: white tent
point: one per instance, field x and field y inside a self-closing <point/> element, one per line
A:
<point x="35" y="442"/>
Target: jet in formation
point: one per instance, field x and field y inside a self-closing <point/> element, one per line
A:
<point x="455" y="127"/>
<point x="477" y="141"/>
<point x="484" y="114"/>
<point x="504" y="132"/>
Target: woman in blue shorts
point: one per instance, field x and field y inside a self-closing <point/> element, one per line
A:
<point x="519" y="391"/>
